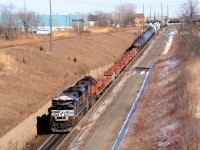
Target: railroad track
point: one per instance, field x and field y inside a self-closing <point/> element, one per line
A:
<point x="54" y="140"/>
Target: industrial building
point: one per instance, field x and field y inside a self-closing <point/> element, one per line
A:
<point x="63" y="22"/>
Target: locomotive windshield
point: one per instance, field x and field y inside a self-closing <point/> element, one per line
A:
<point x="69" y="105"/>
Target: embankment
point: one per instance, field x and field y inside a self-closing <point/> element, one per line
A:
<point x="30" y="76"/>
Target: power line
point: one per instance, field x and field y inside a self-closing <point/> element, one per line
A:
<point x="91" y="3"/>
<point x="117" y="4"/>
<point x="51" y="33"/>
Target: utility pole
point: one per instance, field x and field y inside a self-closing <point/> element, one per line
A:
<point x="167" y="11"/>
<point x="25" y="6"/>
<point x="114" y="20"/>
<point x="69" y="20"/>
<point x="78" y="22"/>
<point x="97" y="19"/>
<point x="119" y="20"/>
<point x="150" y="12"/>
<point x="88" y="21"/>
<point x="143" y="14"/>
<point x="161" y="11"/>
<point x="51" y="34"/>
<point x="25" y="13"/>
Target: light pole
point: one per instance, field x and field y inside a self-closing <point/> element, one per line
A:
<point x="88" y="21"/>
<point x="51" y="34"/>
<point x="78" y="22"/>
<point x="161" y="11"/>
<point x="150" y="12"/>
<point x="119" y="19"/>
<point x="143" y="18"/>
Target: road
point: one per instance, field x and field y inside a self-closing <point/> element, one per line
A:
<point x="104" y="125"/>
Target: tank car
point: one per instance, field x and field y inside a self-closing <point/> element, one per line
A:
<point x="142" y="39"/>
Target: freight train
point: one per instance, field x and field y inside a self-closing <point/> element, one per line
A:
<point x="74" y="102"/>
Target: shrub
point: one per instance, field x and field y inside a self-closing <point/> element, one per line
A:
<point x="41" y="48"/>
<point x="75" y="59"/>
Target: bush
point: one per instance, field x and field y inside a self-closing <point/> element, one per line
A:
<point x="75" y="59"/>
<point x="41" y="48"/>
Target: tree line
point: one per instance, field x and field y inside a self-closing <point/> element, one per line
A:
<point x="13" y="21"/>
<point x="189" y="14"/>
<point x="124" y="16"/>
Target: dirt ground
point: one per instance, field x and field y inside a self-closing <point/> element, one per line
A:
<point x="30" y="75"/>
<point x="168" y="114"/>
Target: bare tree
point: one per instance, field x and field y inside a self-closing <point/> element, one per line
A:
<point x="9" y="22"/>
<point x="189" y="14"/>
<point x="26" y="19"/>
<point x="37" y="20"/>
<point x="125" y="14"/>
<point x="103" y="19"/>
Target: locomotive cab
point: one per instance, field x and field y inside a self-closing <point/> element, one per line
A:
<point x="62" y="117"/>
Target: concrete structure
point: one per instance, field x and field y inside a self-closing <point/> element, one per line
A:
<point x="93" y="19"/>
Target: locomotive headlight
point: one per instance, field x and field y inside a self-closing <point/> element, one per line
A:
<point x="54" y="113"/>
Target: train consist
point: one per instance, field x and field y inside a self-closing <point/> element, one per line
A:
<point x="74" y="102"/>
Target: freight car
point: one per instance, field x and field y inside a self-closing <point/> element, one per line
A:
<point x="142" y="39"/>
<point x="74" y="102"/>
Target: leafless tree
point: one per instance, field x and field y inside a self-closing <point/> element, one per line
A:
<point x="125" y="14"/>
<point x="9" y="23"/>
<point x="37" y="20"/>
<point x="103" y="19"/>
<point x="189" y="14"/>
<point x="30" y="20"/>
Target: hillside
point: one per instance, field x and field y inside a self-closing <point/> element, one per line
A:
<point x="30" y="75"/>
<point x="168" y="114"/>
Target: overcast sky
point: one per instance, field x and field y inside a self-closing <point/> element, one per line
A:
<point x="88" y="6"/>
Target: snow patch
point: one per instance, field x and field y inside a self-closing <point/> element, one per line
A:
<point x="142" y="72"/>
<point x="170" y="134"/>
<point x="169" y="66"/>
<point x="169" y="43"/>
<point x="198" y="115"/>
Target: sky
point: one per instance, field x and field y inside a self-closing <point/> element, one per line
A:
<point x="65" y="7"/>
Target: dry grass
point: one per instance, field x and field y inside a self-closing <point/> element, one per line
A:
<point x="64" y="34"/>
<point x="36" y="38"/>
<point x="101" y="29"/>
<point x="56" y="35"/>
<point x="193" y="85"/>
<point x="29" y="77"/>
<point x="188" y="52"/>
<point x="7" y="62"/>
<point x="169" y="112"/>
